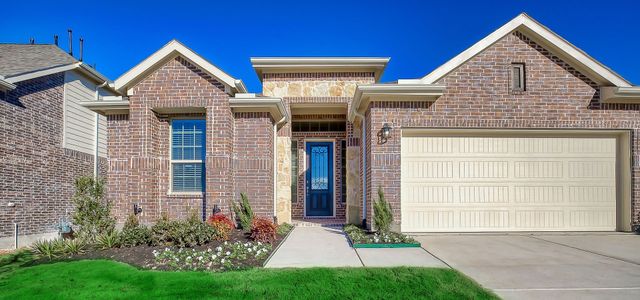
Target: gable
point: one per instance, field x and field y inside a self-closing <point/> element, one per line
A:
<point x="170" y="52"/>
<point x="541" y="35"/>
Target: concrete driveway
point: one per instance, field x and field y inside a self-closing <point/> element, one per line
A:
<point x="545" y="266"/>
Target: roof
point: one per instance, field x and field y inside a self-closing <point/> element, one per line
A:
<point x="19" y="62"/>
<point x="16" y="59"/>
<point x="546" y="38"/>
<point x="319" y="64"/>
<point x="169" y="51"/>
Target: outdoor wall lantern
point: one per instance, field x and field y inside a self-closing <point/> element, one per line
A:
<point x="386" y="131"/>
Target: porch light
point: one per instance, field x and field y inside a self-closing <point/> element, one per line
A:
<point x="386" y="131"/>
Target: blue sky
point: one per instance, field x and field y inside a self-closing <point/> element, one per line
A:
<point x="417" y="35"/>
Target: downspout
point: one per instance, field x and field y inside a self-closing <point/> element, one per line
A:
<point x="96" y="162"/>
<point x="364" y="169"/>
<point x="275" y="168"/>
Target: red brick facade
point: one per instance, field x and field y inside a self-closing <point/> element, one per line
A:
<point x="37" y="172"/>
<point x="239" y="148"/>
<point x="478" y="96"/>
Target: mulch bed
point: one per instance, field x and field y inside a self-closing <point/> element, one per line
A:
<point x="142" y="256"/>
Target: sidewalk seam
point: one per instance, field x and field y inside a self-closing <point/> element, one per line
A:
<point x="584" y="250"/>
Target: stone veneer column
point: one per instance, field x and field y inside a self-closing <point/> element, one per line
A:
<point x="283" y="183"/>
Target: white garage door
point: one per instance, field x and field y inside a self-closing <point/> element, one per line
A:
<point x="462" y="184"/>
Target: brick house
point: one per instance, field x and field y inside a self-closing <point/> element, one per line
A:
<point x="521" y="132"/>
<point x="48" y="138"/>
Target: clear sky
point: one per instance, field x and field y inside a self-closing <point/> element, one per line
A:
<point x="417" y="35"/>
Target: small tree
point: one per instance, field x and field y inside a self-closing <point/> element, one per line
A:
<point x="382" y="216"/>
<point x="243" y="212"/>
<point x="92" y="212"/>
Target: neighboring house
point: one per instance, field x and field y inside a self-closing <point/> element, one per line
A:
<point x="521" y="132"/>
<point x="48" y="138"/>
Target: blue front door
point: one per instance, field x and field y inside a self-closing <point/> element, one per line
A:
<point x="319" y="179"/>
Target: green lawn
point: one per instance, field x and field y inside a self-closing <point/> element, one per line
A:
<point x="99" y="279"/>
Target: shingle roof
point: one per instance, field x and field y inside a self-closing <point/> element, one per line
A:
<point x="17" y="59"/>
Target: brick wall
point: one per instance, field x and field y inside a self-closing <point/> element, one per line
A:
<point x="478" y="96"/>
<point x="253" y="161"/>
<point x="37" y="173"/>
<point x="139" y="143"/>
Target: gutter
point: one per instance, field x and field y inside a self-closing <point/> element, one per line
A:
<point x="275" y="167"/>
<point x="5" y="85"/>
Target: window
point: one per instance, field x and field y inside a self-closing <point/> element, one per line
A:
<point x="324" y="126"/>
<point x="517" y="77"/>
<point x="187" y="155"/>
<point x="343" y="151"/>
<point x="294" y="171"/>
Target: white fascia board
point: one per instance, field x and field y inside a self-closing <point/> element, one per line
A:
<point x="40" y="73"/>
<point x="392" y="92"/>
<point x="5" y="85"/>
<point x="611" y="94"/>
<point x="109" y="105"/>
<point x="251" y="103"/>
<point x="172" y="49"/>
<point x="319" y="64"/>
<point x="523" y="21"/>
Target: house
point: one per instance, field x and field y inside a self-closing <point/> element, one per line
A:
<point x="521" y="132"/>
<point x="48" y="138"/>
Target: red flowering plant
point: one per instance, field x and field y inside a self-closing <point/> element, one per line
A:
<point x="222" y="225"/>
<point x="263" y="230"/>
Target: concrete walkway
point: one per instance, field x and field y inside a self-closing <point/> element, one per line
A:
<point x="328" y="247"/>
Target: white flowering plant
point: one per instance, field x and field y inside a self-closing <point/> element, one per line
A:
<point x="360" y="236"/>
<point x="227" y="256"/>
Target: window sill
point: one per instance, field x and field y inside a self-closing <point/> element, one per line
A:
<point x="185" y="194"/>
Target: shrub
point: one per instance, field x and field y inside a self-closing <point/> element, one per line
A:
<point x="243" y="212"/>
<point x="92" y="212"/>
<point x="190" y="232"/>
<point x="108" y="240"/>
<point x="222" y="226"/>
<point x="48" y="248"/>
<point x="74" y="246"/>
<point x="161" y="230"/>
<point x="382" y="215"/>
<point x="222" y="219"/>
<point x="284" y="228"/>
<point x="134" y="234"/>
<point x="263" y="230"/>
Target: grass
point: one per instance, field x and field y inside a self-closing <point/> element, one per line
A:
<point x="101" y="279"/>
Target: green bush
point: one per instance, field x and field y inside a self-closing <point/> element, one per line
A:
<point x="382" y="215"/>
<point x="161" y="230"/>
<point x="108" y="240"/>
<point x="243" y="212"/>
<point x="48" y="248"/>
<point x="134" y="234"/>
<point x="92" y="211"/>
<point x="284" y="229"/>
<point x="190" y="232"/>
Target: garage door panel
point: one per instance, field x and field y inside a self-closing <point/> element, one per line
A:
<point x="508" y="184"/>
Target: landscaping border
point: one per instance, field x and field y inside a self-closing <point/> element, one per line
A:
<point x="386" y="245"/>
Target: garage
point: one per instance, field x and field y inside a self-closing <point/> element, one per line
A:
<point x="512" y="180"/>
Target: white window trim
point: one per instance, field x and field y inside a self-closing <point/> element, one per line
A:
<point x="170" y="191"/>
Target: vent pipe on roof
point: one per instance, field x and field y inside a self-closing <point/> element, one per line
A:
<point x="70" y="41"/>
<point x="81" y="47"/>
<point x="32" y="40"/>
<point x="55" y="39"/>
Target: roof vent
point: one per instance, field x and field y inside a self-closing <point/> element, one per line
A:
<point x="70" y="41"/>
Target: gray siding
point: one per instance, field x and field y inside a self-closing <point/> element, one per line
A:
<point x="79" y="122"/>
